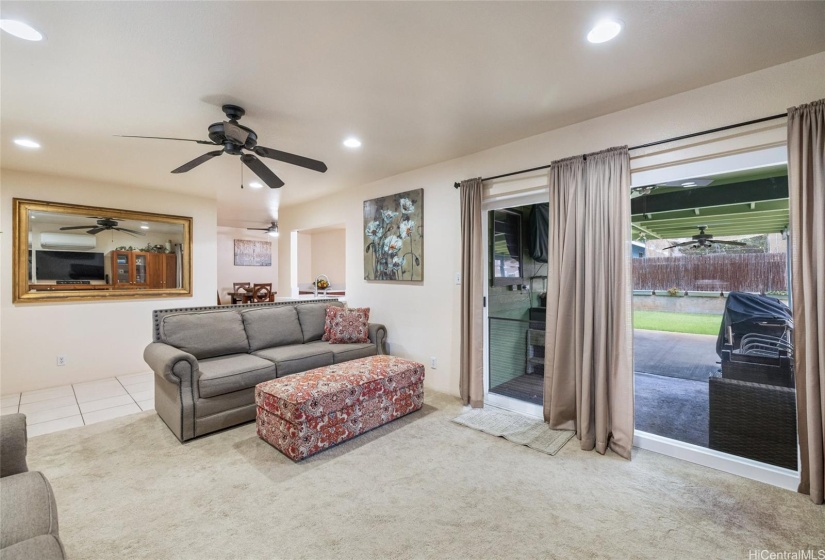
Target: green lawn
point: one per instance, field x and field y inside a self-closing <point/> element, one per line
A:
<point x="696" y="323"/>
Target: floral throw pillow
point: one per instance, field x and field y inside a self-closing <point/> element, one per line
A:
<point x="331" y="311"/>
<point x="350" y="326"/>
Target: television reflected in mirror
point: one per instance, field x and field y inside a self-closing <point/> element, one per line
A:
<point x="506" y="261"/>
<point x="70" y="252"/>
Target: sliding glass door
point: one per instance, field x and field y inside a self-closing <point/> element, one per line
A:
<point x="713" y="331"/>
<point x="516" y="241"/>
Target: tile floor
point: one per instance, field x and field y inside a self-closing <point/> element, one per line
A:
<point x="80" y="404"/>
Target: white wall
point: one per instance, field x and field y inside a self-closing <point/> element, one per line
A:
<point x="228" y="273"/>
<point x="304" y="259"/>
<point x="329" y="252"/>
<point x="99" y="339"/>
<point x="423" y="318"/>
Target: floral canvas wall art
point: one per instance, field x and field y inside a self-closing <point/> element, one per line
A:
<point x="253" y="253"/>
<point x="394" y="237"/>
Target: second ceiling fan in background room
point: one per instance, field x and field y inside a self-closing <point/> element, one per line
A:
<point x="234" y="138"/>
<point x="271" y="230"/>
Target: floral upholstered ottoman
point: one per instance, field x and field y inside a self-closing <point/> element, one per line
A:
<point x="308" y="412"/>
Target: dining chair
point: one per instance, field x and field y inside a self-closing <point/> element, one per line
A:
<point x="261" y="293"/>
<point x="237" y="295"/>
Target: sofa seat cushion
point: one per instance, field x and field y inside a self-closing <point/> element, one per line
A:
<point x="272" y="326"/>
<point x="346" y="352"/>
<point x="227" y="374"/>
<point x="297" y="358"/>
<point x="205" y="334"/>
<point x="44" y="547"/>
<point x="27" y="508"/>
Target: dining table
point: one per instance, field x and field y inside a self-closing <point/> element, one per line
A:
<point x="242" y="296"/>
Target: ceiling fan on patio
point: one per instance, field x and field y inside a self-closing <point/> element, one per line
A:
<point x="102" y="224"/>
<point x="233" y="139"/>
<point x="703" y="239"/>
<point x="271" y="230"/>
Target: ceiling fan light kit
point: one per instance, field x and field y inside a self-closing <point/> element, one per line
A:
<point x="234" y="138"/>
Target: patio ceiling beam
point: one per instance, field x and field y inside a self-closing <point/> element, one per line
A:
<point x="771" y="188"/>
<point x="714" y="215"/>
<point x="716" y="224"/>
<point x="722" y="210"/>
<point x="647" y="232"/>
<point x="730" y="231"/>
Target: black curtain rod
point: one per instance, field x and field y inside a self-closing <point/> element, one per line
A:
<point x="648" y="145"/>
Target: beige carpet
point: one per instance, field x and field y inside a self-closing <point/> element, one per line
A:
<point x="421" y="487"/>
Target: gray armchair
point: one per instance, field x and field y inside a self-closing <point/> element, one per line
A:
<point x="27" y="505"/>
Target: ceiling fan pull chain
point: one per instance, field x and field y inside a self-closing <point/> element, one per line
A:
<point x="242" y="175"/>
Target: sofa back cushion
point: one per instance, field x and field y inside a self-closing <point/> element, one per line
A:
<point x="272" y="326"/>
<point x="205" y="334"/>
<point x="312" y="317"/>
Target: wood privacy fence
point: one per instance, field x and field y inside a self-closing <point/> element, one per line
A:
<point x="765" y="272"/>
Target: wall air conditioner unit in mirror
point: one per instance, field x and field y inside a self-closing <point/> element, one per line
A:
<point x="67" y="241"/>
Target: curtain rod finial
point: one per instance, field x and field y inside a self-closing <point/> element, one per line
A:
<point x="456" y="185"/>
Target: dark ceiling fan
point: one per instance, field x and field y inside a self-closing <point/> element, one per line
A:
<point x="704" y="240"/>
<point x="271" y="230"/>
<point x="102" y="224"/>
<point x="233" y="139"/>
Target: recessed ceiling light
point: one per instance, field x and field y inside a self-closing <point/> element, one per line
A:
<point x="26" y="143"/>
<point x="255" y="185"/>
<point x="605" y="30"/>
<point x="144" y="227"/>
<point x="352" y="142"/>
<point x="689" y="184"/>
<point x="20" y="30"/>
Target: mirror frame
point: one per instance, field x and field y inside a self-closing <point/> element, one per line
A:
<point x="20" y="276"/>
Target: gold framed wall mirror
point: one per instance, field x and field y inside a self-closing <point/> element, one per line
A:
<point x="68" y="252"/>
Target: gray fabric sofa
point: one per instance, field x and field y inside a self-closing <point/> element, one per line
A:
<point x="27" y="506"/>
<point x="208" y="360"/>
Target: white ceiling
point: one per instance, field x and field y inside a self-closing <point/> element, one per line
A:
<point x="418" y="82"/>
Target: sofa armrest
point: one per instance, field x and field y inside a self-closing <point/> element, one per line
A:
<point x="378" y="336"/>
<point x="165" y="359"/>
<point x="13" y="444"/>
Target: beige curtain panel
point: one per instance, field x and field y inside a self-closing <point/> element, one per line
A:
<point x="588" y="379"/>
<point x="472" y="293"/>
<point x="806" y="179"/>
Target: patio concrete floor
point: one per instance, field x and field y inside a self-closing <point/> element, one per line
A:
<point x="686" y="356"/>
<point x="671" y="389"/>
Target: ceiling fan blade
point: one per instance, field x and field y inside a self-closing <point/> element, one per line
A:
<point x="679" y="245"/>
<point x="133" y="232"/>
<point x="738" y="243"/>
<point x="74" y="227"/>
<point x="167" y="138"/>
<point x="301" y="161"/>
<point x="197" y="161"/>
<point x="261" y="170"/>
<point x="95" y="231"/>
<point x="258" y="228"/>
